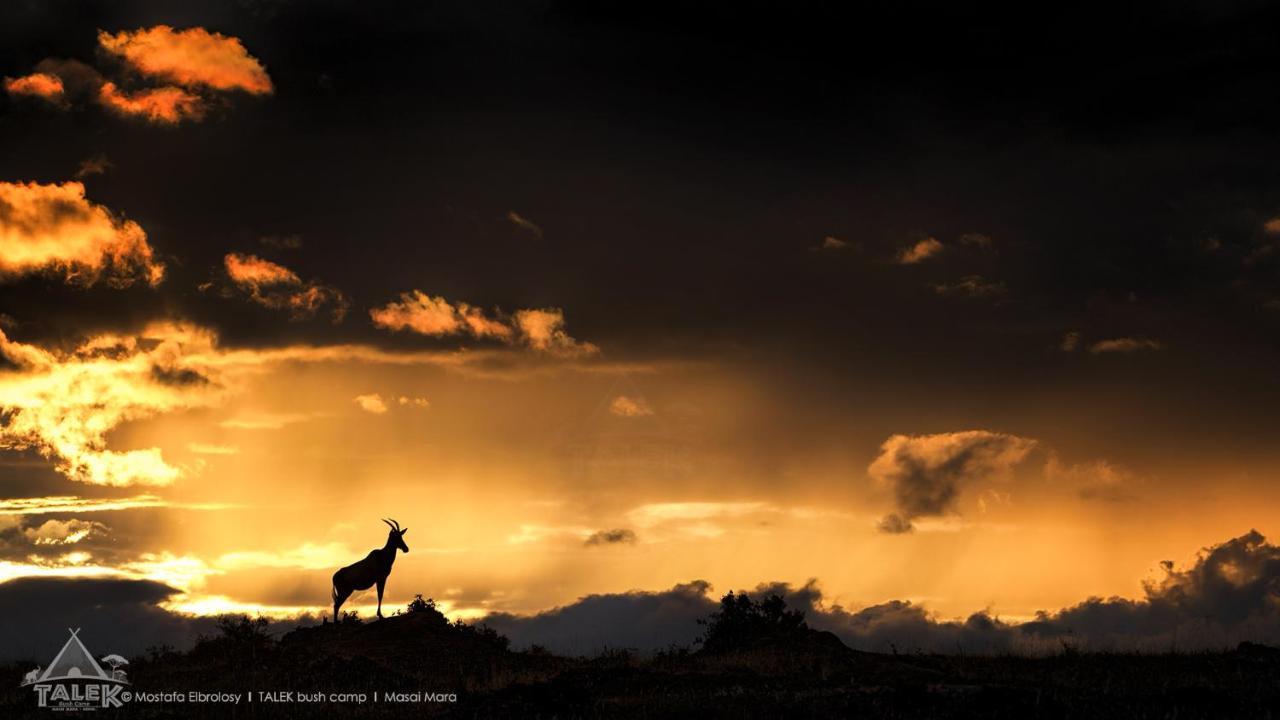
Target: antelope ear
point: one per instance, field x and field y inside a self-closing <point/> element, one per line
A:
<point x="402" y="532"/>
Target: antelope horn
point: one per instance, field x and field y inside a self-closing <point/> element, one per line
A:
<point x="397" y="524"/>
<point x="388" y="522"/>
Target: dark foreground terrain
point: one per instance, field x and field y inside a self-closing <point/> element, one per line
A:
<point x="787" y="672"/>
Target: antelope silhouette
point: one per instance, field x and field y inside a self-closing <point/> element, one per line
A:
<point x="32" y="676"/>
<point x="373" y="569"/>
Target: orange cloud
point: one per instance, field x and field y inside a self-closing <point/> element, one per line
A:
<point x="372" y="403"/>
<point x="191" y="58"/>
<point x="544" y="330"/>
<point x="624" y="406"/>
<point x="167" y="105"/>
<point x="72" y="503"/>
<point x="482" y="326"/>
<point x="276" y="286"/>
<point x="42" y="85"/>
<point x="541" y="330"/>
<point x="1124" y="345"/>
<point x="420" y="313"/>
<point x="253" y="271"/>
<point x="920" y="251"/>
<point x="66" y="403"/>
<point x="54" y="227"/>
<point x="63" y="404"/>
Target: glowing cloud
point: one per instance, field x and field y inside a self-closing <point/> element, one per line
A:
<point x="652" y="514"/>
<point x="191" y="58"/>
<point x="927" y="472"/>
<point x="420" y="313"/>
<point x="210" y="449"/>
<point x="55" y="228"/>
<point x="628" y="407"/>
<point x="919" y="252"/>
<point x="274" y="286"/>
<point x="63" y="532"/>
<point x="72" y="503"/>
<point x="253" y="271"/>
<point x="544" y="330"/>
<point x="541" y="330"/>
<point x="65" y="404"/>
<point x="166" y="105"/>
<point x="42" y="85"/>
<point x="371" y="403"/>
<point x="1124" y="345"/>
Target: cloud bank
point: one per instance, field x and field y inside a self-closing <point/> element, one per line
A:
<point x="55" y="228"/>
<point x="1230" y="593"/>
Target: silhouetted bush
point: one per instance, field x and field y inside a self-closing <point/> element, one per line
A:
<point x="485" y="634"/>
<point x="741" y="622"/>
<point x="239" y="637"/>
<point x="417" y="604"/>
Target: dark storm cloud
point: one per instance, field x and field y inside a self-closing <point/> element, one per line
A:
<point x="645" y="621"/>
<point x="611" y="537"/>
<point x="1229" y="594"/>
<point x="115" y="615"/>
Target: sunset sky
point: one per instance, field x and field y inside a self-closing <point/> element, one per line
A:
<point x="949" y="308"/>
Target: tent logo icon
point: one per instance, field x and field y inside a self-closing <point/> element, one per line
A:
<point x="75" y="680"/>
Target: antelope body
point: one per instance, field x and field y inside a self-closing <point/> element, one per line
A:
<point x="372" y="570"/>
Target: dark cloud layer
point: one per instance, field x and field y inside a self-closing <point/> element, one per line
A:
<point x="119" y="616"/>
<point x="643" y="620"/>
<point x="115" y="616"/>
<point x="1231" y="593"/>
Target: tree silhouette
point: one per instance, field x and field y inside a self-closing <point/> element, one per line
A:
<point x="742" y="622"/>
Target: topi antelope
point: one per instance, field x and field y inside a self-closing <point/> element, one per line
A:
<point x="374" y="568"/>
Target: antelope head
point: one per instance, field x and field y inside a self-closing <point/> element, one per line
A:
<point x="395" y="538"/>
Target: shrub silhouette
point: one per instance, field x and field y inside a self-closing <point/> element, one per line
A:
<point x="427" y="608"/>
<point x="742" y="622"/>
<point x="238" y="636"/>
<point x="417" y="604"/>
